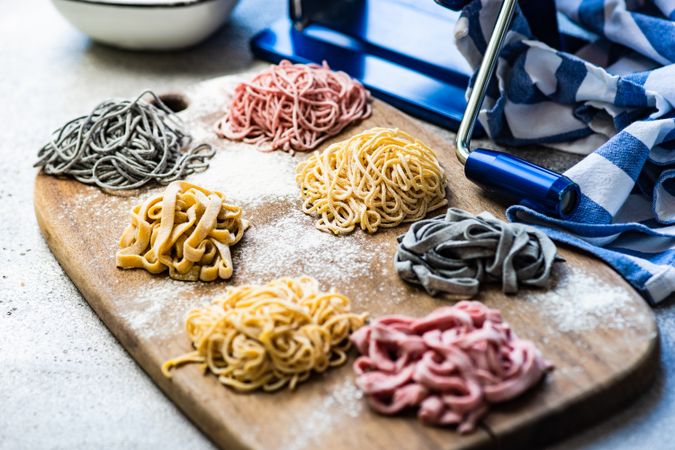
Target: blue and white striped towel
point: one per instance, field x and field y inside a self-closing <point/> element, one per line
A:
<point x="614" y="99"/>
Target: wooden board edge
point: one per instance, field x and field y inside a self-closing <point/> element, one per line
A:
<point x="198" y="416"/>
<point x="594" y="407"/>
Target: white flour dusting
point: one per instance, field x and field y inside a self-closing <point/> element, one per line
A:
<point x="108" y="208"/>
<point x="343" y="401"/>
<point x="250" y="177"/>
<point x="580" y="302"/>
<point x="288" y="246"/>
<point x="161" y="306"/>
<point x="246" y="175"/>
<point x="291" y="246"/>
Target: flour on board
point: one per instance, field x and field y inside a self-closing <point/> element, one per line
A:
<point x="249" y="177"/>
<point x="342" y="401"/>
<point x="580" y="302"/>
<point x="162" y="303"/>
<point x="291" y="246"/>
<point x="101" y="207"/>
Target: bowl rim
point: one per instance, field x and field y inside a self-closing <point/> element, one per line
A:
<point x="141" y="4"/>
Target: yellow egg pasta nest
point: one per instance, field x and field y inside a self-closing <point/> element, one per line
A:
<point x="270" y="336"/>
<point x="186" y="230"/>
<point x="376" y="179"/>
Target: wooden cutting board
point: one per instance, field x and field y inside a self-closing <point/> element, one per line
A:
<point x="599" y="334"/>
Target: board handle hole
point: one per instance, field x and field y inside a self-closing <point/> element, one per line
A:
<point x="175" y="102"/>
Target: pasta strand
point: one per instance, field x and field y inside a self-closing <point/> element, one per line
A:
<point x="271" y="336"/>
<point x="294" y="107"/>
<point x="376" y="179"/>
<point x="124" y="144"/>
<point x="187" y="230"/>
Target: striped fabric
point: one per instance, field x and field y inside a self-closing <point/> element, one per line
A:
<point x="613" y="99"/>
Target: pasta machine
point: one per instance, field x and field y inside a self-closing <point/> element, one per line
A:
<point x="404" y="52"/>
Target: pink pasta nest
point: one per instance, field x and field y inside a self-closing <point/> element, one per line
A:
<point x="450" y="365"/>
<point x="294" y="107"/>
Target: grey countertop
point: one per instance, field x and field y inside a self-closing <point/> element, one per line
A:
<point x="65" y="382"/>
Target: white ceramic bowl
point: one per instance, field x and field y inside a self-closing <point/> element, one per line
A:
<point x="146" y="24"/>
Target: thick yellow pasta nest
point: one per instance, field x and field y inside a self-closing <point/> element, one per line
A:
<point x="270" y="336"/>
<point x="187" y="230"/>
<point x="376" y="179"/>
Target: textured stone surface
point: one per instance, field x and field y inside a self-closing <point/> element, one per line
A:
<point x="65" y="382"/>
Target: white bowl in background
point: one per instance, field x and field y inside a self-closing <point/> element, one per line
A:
<point x="146" y="24"/>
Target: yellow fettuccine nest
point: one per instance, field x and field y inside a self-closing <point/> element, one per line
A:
<point x="187" y="230"/>
<point x="376" y="179"/>
<point x="270" y="336"/>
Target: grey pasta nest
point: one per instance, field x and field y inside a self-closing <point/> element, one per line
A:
<point x="124" y="144"/>
<point x="454" y="253"/>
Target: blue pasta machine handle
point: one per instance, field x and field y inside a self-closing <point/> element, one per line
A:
<point x="516" y="179"/>
<point x="523" y="182"/>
